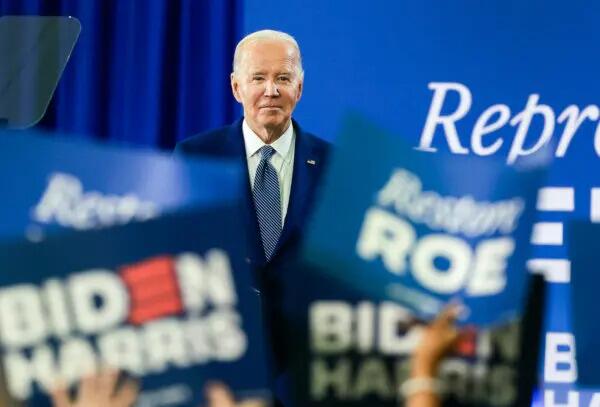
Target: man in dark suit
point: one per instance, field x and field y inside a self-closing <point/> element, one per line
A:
<point x="284" y="163"/>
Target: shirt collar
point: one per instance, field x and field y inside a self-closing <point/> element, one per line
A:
<point x="254" y="143"/>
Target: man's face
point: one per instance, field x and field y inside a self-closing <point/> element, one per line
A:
<point x="268" y="84"/>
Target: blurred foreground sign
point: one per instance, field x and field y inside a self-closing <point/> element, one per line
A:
<point x="585" y="280"/>
<point x="168" y="301"/>
<point x="55" y="184"/>
<point x="397" y="234"/>
<point x="421" y="229"/>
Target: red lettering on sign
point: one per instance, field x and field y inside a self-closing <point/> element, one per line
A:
<point x="153" y="289"/>
<point x="466" y="344"/>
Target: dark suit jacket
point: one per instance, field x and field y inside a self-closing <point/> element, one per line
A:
<point x="310" y="159"/>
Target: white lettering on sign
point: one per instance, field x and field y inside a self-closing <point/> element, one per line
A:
<point x="22" y="319"/>
<point x="480" y="271"/>
<point x="390" y="237"/>
<point x="404" y="194"/>
<point x="205" y="281"/>
<point x="497" y="117"/>
<point x="351" y="344"/>
<point x="64" y="202"/>
<point x="99" y="300"/>
<point x="572" y="399"/>
<point x="98" y="317"/>
<point x="338" y="327"/>
<point x="559" y="361"/>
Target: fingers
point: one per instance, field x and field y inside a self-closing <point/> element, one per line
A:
<point x="127" y="394"/>
<point x="105" y="381"/>
<point x="98" y="390"/>
<point x="450" y="313"/>
<point x="252" y="403"/>
<point x="60" y="396"/>
<point x="219" y="396"/>
<point x="445" y="322"/>
<point x="88" y="388"/>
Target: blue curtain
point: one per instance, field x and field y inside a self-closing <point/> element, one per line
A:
<point x="144" y="72"/>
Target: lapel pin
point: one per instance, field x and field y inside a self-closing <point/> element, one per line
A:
<point x="311" y="162"/>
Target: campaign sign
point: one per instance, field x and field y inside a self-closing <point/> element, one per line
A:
<point x="167" y="301"/>
<point x="53" y="184"/>
<point x="585" y="279"/>
<point x="422" y="229"/>
<point x="397" y="234"/>
<point x="345" y="348"/>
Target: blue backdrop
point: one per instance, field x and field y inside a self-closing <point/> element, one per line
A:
<point x="378" y="58"/>
<point x="145" y="72"/>
<point x="150" y="72"/>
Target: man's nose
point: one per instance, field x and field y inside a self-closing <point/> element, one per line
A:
<point x="271" y="89"/>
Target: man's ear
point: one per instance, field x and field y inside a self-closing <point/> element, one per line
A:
<point x="300" y="88"/>
<point x="235" y="87"/>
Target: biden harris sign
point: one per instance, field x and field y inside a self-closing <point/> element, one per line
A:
<point x="124" y="258"/>
<point x="397" y="234"/>
<point x="168" y="301"/>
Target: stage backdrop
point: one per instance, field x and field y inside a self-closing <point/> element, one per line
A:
<point x="507" y="76"/>
<point x="494" y="78"/>
<point x="144" y="72"/>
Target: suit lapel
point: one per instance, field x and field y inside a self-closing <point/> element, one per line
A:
<point x="305" y="172"/>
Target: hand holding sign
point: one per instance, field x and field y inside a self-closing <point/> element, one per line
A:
<point x="219" y="395"/>
<point x="98" y="390"/>
<point x="422" y="387"/>
<point x="437" y="340"/>
<point x="397" y="235"/>
<point x="172" y="309"/>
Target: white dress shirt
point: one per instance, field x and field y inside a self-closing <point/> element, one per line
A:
<point x="282" y="161"/>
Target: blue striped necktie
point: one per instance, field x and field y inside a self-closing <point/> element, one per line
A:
<point x="267" y="201"/>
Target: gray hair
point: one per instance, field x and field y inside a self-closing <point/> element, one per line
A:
<point x="266" y="35"/>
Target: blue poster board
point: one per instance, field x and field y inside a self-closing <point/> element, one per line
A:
<point x="168" y="301"/>
<point x="53" y="183"/>
<point x="347" y="349"/>
<point x="407" y="226"/>
<point x="584" y="238"/>
<point x="354" y="315"/>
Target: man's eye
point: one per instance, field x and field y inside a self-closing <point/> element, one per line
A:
<point x="284" y="79"/>
<point x="257" y="78"/>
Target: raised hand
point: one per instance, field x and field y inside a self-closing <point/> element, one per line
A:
<point x="98" y="390"/>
